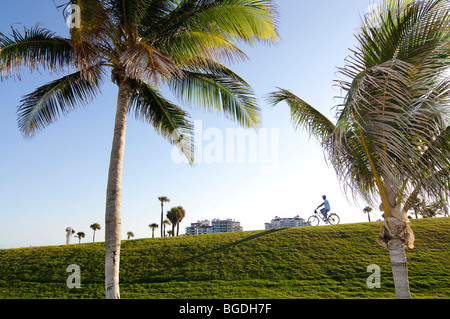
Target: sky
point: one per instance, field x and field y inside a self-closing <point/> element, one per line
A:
<point x="58" y="178"/>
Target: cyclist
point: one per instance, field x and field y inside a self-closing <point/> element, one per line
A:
<point x="326" y="206"/>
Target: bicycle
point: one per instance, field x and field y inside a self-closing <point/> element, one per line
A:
<point x="314" y="220"/>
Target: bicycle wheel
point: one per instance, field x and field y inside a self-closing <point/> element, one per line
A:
<point x="313" y="220"/>
<point x="333" y="219"/>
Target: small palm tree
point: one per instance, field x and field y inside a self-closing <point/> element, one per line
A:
<point x="80" y="235"/>
<point x="367" y="210"/>
<point x="163" y="199"/>
<point x="69" y="232"/>
<point x="94" y="227"/>
<point x="144" y="43"/>
<point x="166" y="222"/>
<point x="181" y="215"/>
<point x="153" y="227"/>
<point x="130" y="234"/>
<point x="170" y="233"/>
<point x="392" y="139"/>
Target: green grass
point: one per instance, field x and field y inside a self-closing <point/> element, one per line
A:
<point x="306" y="262"/>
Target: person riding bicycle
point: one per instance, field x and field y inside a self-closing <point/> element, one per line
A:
<point x="326" y="206"/>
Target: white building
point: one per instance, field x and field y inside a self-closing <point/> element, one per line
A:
<point x="279" y="222"/>
<point x="216" y="226"/>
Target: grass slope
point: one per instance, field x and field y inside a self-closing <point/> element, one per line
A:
<point x="307" y="262"/>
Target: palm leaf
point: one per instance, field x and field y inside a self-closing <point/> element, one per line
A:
<point x="36" y="47"/>
<point x="225" y="93"/>
<point x="170" y="121"/>
<point x="48" y="102"/>
<point x="304" y="115"/>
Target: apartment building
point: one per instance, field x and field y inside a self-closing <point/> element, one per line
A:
<point x="214" y="226"/>
<point x="279" y="222"/>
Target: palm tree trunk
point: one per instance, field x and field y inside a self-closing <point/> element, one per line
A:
<point x="162" y="209"/>
<point x="93" y="238"/>
<point x="399" y="268"/>
<point x="114" y="195"/>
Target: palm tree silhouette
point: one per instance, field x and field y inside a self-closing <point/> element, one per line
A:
<point x="153" y="227"/>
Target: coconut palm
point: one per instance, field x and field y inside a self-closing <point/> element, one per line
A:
<point x="163" y="199"/>
<point x="94" y="227"/>
<point x="130" y="234"/>
<point x="146" y="44"/>
<point x="166" y="222"/>
<point x="367" y="210"/>
<point x="153" y="227"/>
<point x="80" y="235"/>
<point x="391" y="140"/>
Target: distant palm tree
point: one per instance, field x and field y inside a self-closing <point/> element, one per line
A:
<point x="130" y="234"/>
<point x="181" y="215"/>
<point x="69" y="232"/>
<point x="163" y="199"/>
<point x="80" y="235"/>
<point x="183" y="45"/>
<point x="94" y="227"/>
<point x="391" y="140"/>
<point x="172" y="216"/>
<point x="367" y="211"/>
<point x="153" y="227"/>
<point x="166" y="222"/>
<point x="170" y="233"/>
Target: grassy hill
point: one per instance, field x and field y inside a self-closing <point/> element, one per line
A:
<point x="307" y="262"/>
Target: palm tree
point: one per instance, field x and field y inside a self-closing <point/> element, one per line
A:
<point x="130" y="234"/>
<point x="163" y="199"/>
<point x="69" y="232"/>
<point x="145" y="43"/>
<point x="94" y="227"/>
<point x="391" y="140"/>
<point x="153" y="227"/>
<point x="170" y="232"/>
<point x="80" y="235"/>
<point x="181" y="215"/>
<point x="165" y="222"/>
<point x="174" y="215"/>
<point x="367" y="210"/>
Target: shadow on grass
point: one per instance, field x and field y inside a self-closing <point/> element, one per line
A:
<point x="154" y="277"/>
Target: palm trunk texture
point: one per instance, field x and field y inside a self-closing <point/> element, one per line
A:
<point x="113" y="197"/>
<point x="399" y="268"/>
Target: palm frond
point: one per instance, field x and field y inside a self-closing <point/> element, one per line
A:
<point x="222" y="91"/>
<point x="35" y="47"/>
<point x="147" y="104"/>
<point x="304" y="115"/>
<point x="96" y="35"/>
<point x="48" y="102"/>
<point x="143" y="62"/>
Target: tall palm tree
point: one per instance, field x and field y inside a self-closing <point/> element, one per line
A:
<point x="145" y="43"/>
<point x="391" y="140"/>
<point x="166" y="222"/>
<point x="163" y="199"/>
<point x="94" y="227"/>
<point x="80" y="235"/>
<point x="130" y="234"/>
<point x="153" y="227"/>
<point x="367" y="210"/>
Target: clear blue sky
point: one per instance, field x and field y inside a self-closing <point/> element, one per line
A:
<point x="58" y="178"/>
